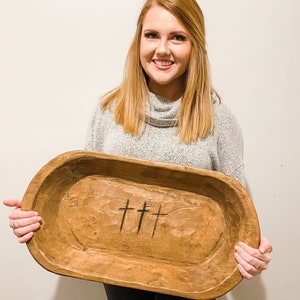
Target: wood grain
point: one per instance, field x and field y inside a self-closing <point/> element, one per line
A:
<point x="140" y="224"/>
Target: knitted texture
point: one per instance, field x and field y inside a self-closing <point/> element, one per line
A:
<point x="222" y="150"/>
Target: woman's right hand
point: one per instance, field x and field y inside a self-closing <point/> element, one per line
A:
<point x="23" y="223"/>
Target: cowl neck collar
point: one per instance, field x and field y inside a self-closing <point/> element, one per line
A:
<point x="162" y="112"/>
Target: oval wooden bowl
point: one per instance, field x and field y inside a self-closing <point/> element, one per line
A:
<point x="140" y="224"/>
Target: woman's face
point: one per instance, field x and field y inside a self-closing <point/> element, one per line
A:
<point x="164" y="52"/>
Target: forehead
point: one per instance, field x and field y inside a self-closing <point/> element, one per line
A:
<point x="158" y="18"/>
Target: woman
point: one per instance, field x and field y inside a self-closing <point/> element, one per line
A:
<point x="165" y="110"/>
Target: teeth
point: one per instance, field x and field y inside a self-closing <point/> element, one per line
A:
<point x="163" y="62"/>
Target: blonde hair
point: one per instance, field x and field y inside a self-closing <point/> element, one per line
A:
<point x="196" y="113"/>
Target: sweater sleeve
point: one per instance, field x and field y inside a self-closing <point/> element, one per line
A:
<point x="94" y="138"/>
<point x="230" y="146"/>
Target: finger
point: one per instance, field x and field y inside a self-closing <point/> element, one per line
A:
<point x="244" y="248"/>
<point x="247" y="270"/>
<point x="265" y="246"/>
<point x="253" y="256"/>
<point x="12" y="203"/>
<point x="244" y="273"/>
<point x="24" y="231"/>
<point x="19" y="223"/>
<point x="11" y="224"/>
<point x="21" y="214"/>
<point x="26" y="238"/>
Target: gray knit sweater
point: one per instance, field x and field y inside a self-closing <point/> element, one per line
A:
<point x="222" y="150"/>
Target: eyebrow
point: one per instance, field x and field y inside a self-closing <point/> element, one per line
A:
<point x="172" y="32"/>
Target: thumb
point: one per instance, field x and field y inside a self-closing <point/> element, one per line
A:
<point x="12" y="203"/>
<point x="265" y="245"/>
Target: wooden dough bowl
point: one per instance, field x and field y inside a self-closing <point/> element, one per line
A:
<point x="140" y="224"/>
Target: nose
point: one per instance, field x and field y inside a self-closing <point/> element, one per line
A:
<point x="163" y="47"/>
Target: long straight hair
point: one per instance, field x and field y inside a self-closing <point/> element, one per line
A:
<point x="196" y="112"/>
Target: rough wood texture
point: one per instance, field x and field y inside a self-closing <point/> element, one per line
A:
<point x="139" y="224"/>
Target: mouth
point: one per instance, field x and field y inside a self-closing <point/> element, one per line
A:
<point x="163" y="62"/>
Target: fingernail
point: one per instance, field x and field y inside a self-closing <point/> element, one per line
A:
<point x="262" y="249"/>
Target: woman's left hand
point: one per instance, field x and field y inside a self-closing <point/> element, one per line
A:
<point x="252" y="261"/>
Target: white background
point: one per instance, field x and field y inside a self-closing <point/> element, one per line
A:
<point x="58" y="56"/>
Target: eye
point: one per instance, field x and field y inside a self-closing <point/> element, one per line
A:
<point x="179" y="37"/>
<point x="150" y="35"/>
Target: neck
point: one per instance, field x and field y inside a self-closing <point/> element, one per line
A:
<point x="171" y="93"/>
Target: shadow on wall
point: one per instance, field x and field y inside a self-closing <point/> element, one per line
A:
<point x="76" y="289"/>
<point x="248" y="290"/>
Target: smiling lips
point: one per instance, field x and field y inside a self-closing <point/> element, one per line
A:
<point x="163" y="63"/>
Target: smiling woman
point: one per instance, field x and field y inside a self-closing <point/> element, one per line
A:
<point x="165" y="110"/>
<point x="195" y="118"/>
<point x="165" y="53"/>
